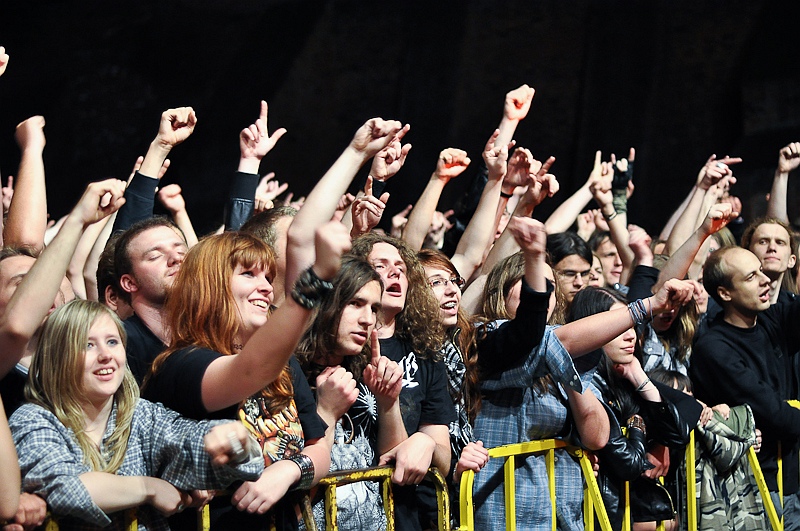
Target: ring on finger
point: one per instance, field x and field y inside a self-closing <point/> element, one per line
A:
<point x="238" y="451"/>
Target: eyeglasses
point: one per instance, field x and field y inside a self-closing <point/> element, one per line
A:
<point x="441" y="283"/>
<point x="571" y="275"/>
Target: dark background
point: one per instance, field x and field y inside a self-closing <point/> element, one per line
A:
<point x="678" y="80"/>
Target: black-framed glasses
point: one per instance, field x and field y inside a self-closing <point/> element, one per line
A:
<point x="441" y="283"/>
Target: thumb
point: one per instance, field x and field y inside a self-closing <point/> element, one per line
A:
<point x="388" y="457"/>
<point x="384" y="197"/>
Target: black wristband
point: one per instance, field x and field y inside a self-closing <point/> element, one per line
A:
<point x="306" y="466"/>
<point x="377" y="187"/>
<point x="309" y="289"/>
<point x="507" y="196"/>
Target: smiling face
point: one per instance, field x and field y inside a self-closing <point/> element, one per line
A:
<point x="770" y="243"/>
<point x="357" y="321"/>
<point x="252" y="293"/>
<point x="103" y="362"/>
<point x="620" y="350"/>
<point x="387" y="262"/>
<point x="156" y="256"/>
<point x="447" y="293"/>
<point x="749" y="292"/>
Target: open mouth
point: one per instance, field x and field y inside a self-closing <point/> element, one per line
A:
<point x="261" y="304"/>
<point x="394" y="289"/>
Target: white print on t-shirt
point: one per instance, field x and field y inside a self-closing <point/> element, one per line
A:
<point x="410" y="368"/>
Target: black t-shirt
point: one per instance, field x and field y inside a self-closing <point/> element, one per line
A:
<point x="12" y="389"/>
<point x="178" y="386"/>
<point x="143" y="347"/>
<point x="424" y="399"/>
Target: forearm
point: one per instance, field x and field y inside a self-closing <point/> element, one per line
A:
<point x="679" y="262"/>
<point x="441" y="453"/>
<point x="564" y="216"/>
<point x="391" y="430"/>
<point x="112" y="493"/>
<point x="156" y="154"/>
<point x="535" y="267"/>
<point x="9" y="471"/>
<point x="181" y="219"/>
<point x="590" y="417"/>
<point x="686" y="222"/>
<point x="480" y="231"/>
<point x="320" y="453"/>
<point x="618" y="232"/>
<point x="590" y="333"/>
<point x="27" y="215"/>
<point x="90" y="267"/>
<point x="77" y="264"/>
<point x="419" y="221"/>
<point x="507" y="129"/>
<point x="776" y="206"/>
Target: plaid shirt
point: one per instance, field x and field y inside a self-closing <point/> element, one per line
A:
<point x="513" y="411"/>
<point x="161" y="444"/>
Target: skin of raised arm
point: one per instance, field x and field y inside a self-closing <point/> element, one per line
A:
<point x="788" y="160"/>
<point x="176" y="125"/>
<point x="3" y="60"/>
<point x="679" y="262"/>
<point x="532" y="239"/>
<point x="27" y="215"/>
<point x="114" y="493"/>
<point x="321" y="203"/>
<point x="590" y="418"/>
<point x="230" y="379"/>
<point x="9" y="470"/>
<point x="592" y="332"/>
<point x="481" y="228"/>
<point x="90" y="266"/>
<point x="451" y="163"/>
<point x="34" y="297"/>
<point x="79" y="257"/>
<point x="618" y="226"/>
<point x="564" y="216"/>
<point x="170" y="196"/>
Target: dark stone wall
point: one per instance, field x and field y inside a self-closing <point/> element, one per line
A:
<point x="678" y="80"/>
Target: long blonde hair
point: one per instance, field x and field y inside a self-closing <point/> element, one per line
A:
<point x="55" y="380"/>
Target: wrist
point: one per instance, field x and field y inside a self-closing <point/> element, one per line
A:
<point x="249" y="165"/>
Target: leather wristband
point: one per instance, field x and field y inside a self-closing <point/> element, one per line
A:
<point x="306" y="466"/>
<point x="309" y="289"/>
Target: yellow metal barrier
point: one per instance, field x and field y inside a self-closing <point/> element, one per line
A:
<point x="510" y="452"/>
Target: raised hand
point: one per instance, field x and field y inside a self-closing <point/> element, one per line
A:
<point x="375" y="135"/>
<point x="367" y="210"/>
<point x="382" y="376"/>
<point x="8" y="193"/>
<point x="3" y="60"/>
<point x="474" y="457"/>
<point x="542" y="184"/>
<point x="586" y="226"/>
<point x="344" y="203"/>
<point x="221" y="443"/>
<point x="399" y="221"/>
<point x="388" y="161"/>
<point x="496" y="157"/>
<point x="639" y="242"/>
<point x="30" y="134"/>
<point x="176" y="126"/>
<point x="452" y="162"/>
<point x="170" y="196"/>
<point x="529" y="234"/>
<point x="519" y="170"/>
<point x="672" y="295"/>
<point x="600" y="186"/>
<point x="718" y="216"/>
<point x="100" y="199"/>
<point x="518" y="103"/>
<point x="255" y="141"/>
<point x="440" y="224"/>
<point x="336" y="391"/>
<point x="331" y="241"/>
<point x="714" y="170"/>
<point x="789" y="158"/>
<point x="268" y="191"/>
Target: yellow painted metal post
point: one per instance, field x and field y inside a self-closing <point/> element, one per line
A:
<point x="691" y="488"/>
<point x="550" y="462"/>
<point x="467" y="509"/>
<point x="777" y="524"/>
<point x="626" y="511"/>
<point x="510" y="489"/>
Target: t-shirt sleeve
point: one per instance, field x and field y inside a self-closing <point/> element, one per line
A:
<point x="178" y="383"/>
<point x="313" y="426"/>
<point x="437" y="408"/>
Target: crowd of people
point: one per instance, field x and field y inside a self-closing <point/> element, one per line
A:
<point x="144" y="367"/>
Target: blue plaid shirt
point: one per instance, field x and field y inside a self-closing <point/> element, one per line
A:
<point x="512" y="412"/>
<point x="161" y="444"/>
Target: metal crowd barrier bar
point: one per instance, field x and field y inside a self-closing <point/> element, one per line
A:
<point x="509" y="453"/>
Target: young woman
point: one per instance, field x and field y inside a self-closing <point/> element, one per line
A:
<point x="653" y="413"/>
<point x="91" y="448"/>
<point x="228" y="357"/>
<point x="357" y="389"/>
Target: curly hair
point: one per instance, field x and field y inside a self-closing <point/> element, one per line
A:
<point x="418" y="323"/>
<point x="319" y="339"/>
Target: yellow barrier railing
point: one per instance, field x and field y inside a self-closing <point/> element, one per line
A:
<point x="509" y="453"/>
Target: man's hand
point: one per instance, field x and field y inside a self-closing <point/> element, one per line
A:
<point x="176" y="126"/>
<point x="452" y="162"/>
<point x="388" y="161"/>
<point x="170" y="196"/>
<point x="639" y="242"/>
<point x="255" y="141"/>
<point x="3" y="60"/>
<point x="336" y="391"/>
<point x="412" y="458"/>
<point x="718" y="216"/>
<point x="31" y="513"/>
<point x="518" y="103"/>
<point x="30" y="134"/>
<point x="258" y="497"/>
<point x="100" y="199"/>
<point x="367" y="210"/>
<point x="496" y="157"/>
<point x="789" y="158"/>
<point x="529" y="234"/>
<point x="658" y="456"/>
<point x="382" y="376"/>
<point x="375" y="135"/>
<point x="267" y="192"/>
<point x="519" y="171"/>
<point x="331" y="241"/>
<point x="672" y="295"/>
<point x="399" y="221"/>
<point x="714" y="170"/>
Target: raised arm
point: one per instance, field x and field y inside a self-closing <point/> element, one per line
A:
<point x="788" y="161"/>
<point x="321" y="203"/>
<point x="170" y="196"/>
<point x="451" y="163"/>
<point x="9" y="466"/>
<point x="35" y="294"/>
<point x="79" y="257"/>
<point x="27" y="215"/>
<point x="254" y="144"/>
<point x="176" y="125"/>
<point x="515" y="109"/>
